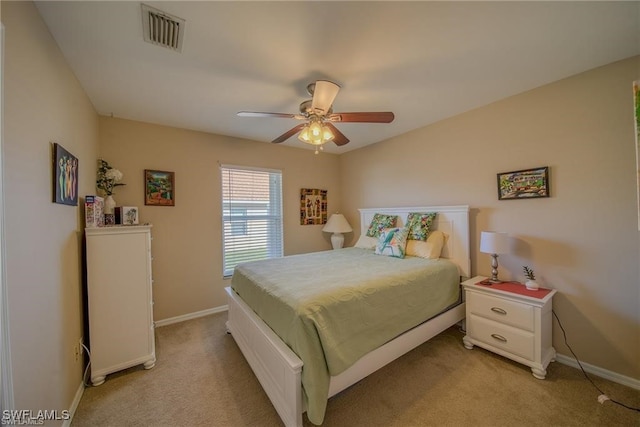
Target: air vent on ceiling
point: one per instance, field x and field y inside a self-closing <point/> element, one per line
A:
<point x="162" y="29"/>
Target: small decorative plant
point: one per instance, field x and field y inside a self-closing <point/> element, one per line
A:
<point x="531" y="278"/>
<point x="528" y="273"/>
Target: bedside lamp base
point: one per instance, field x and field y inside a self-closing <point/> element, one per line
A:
<point x="494" y="269"/>
<point x="337" y="240"/>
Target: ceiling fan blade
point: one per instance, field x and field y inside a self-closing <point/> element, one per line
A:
<point x="288" y="134"/>
<point x="370" y="117"/>
<point x="260" y="114"/>
<point x="323" y="95"/>
<point x="339" y="137"/>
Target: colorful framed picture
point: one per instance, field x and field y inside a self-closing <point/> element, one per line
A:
<point x="313" y="206"/>
<point x="524" y="184"/>
<point x="65" y="176"/>
<point x="159" y="188"/>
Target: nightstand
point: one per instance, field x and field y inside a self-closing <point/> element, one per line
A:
<point x="512" y="321"/>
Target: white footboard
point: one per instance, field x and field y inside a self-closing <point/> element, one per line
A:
<point x="277" y="367"/>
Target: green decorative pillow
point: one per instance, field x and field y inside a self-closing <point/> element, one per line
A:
<point x="420" y="225"/>
<point x="380" y="222"/>
<point x="392" y="242"/>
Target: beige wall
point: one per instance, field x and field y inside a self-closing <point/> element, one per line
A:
<point x="582" y="241"/>
<point x="187" y="245"/>
<point x="43" y="103"/>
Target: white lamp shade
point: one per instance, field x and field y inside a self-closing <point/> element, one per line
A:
<point x="337" y="223"/>
<point x="493" y="242"/>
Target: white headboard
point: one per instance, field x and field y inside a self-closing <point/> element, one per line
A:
<point x="451" y="220"/>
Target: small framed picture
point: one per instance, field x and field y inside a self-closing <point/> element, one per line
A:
<point x="313" y="206"/>
<point x="524" y="184"/>
<point x="65" y="176"/>
<point x="127" y="215"/>
<point x="159" y="188"/>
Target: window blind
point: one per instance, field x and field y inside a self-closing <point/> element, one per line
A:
<point x="251" y="215"/>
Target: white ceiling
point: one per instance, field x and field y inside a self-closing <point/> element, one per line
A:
<point x="425" y="61"/>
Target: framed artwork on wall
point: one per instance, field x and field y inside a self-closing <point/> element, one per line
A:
<point x="524" y="184"/>
<point x="159" y="188"/>
<point x="65" y="176"/>
<point x="313" y="206"/>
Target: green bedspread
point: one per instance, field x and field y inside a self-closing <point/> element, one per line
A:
<point x="333" y="307"/>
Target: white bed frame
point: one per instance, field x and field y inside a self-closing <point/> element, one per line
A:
<point x="279" y="369"/>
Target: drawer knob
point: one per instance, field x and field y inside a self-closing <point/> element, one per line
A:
<point x="499" y="337"/>
<point x="498" y="310"/>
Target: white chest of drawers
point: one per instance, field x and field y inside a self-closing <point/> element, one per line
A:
<point x="511" y="321"/>
<point x="120" y="302"/>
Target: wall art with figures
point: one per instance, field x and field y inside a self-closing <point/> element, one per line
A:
<point x="313" y="206"/>
<point x="65" y="176"/>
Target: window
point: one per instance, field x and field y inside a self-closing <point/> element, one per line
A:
<point x="251" y="215"/>
<point x="238" y="221"/>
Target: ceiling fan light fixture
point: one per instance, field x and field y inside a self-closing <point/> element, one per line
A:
<point x="316" y="133"/>
<point x="304" y="135"/>
<point x="327" y="135"/>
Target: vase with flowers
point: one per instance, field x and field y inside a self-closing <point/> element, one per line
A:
<point x="108" y="179"/>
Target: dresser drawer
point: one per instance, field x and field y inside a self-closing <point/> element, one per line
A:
<point x="512" y="340"/>
<point x="501" y="310"/>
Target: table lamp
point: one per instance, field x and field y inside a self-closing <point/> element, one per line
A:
<point x="337" y="224"/>
<point x="494" y="243"/>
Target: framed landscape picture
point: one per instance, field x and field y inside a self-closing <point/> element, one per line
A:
<point x="159" y="188"/>
<point x="65" y="176"/>
<point x="524" y="184"/>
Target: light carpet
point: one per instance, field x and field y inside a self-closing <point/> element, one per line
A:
<point x="202" y="379"/>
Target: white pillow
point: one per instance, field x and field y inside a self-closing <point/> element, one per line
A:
<point x="430" y="249"/>
<point x="366" y="242"/>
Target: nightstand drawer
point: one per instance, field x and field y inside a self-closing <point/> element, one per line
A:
<point x="512" y="340"/>
<point x="501" y="310"/>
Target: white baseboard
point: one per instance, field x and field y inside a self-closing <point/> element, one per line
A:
<point x="189" y="316"/>
<point x="74" y="405"/>
<point x="600" y="372"/>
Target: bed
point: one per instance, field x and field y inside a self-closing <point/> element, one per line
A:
<point x="280" y="369"/>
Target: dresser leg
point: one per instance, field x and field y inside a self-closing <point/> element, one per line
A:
<point x="467" y="343"/>
<point x="539" y="373"/>
<point x="150" y="364"/>
<point x="96" y="381"/>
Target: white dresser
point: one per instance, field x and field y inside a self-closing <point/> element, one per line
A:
<point x="512" y="321"/>
<point x="119" y="292"/>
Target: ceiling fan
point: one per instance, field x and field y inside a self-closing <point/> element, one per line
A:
<point x="319" y="117"/>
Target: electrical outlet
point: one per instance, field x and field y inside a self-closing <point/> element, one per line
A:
<point x="77" y="351"/>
